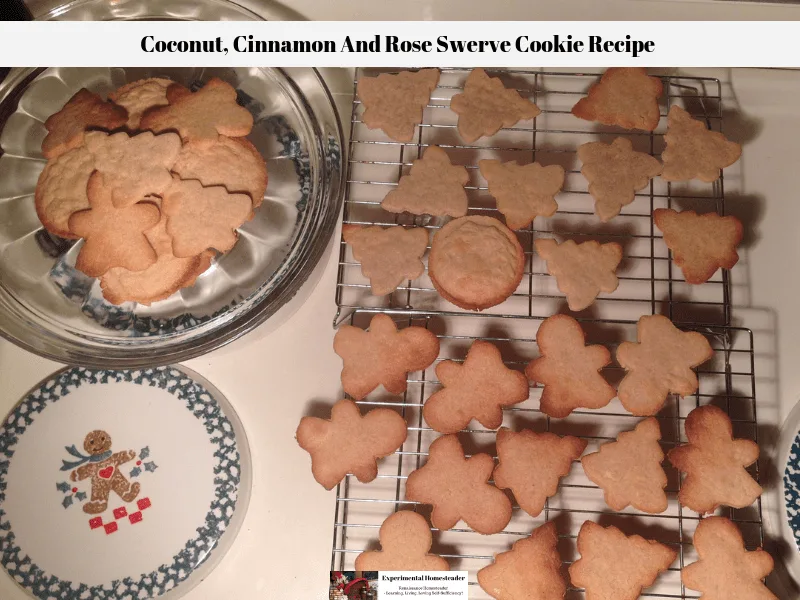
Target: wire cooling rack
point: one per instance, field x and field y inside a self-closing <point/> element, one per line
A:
<point x="649" y="284"/>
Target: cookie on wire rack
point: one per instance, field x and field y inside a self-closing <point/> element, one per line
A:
<point x="405" y="545"/>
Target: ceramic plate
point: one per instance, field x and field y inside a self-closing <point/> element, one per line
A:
<point x="120" y="484"/>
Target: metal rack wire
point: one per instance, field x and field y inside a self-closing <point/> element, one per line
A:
<point x="648" y="285"/>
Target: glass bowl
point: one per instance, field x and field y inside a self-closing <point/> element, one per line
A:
<point x="49" y="308"/>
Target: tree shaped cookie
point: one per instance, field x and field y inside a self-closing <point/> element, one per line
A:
<point x="200" y="217"/>
<point x="531" y="570"/>
<point x="477" y="389"/>
<point x="624" y="96"/>
<point x="85" y="110"/>
<point x="486" y="105"/>
<point x="629" y="470"/>
<point x="693" y="151"/>
<point x="614" y="566"/>
<point x="523" y="192"/>
<point x="405" y="542"/>
<point x="660" y="363"/>
<point x="714" y="463"/>
<point x="458" y="488"/>
<point x="433" y="186"/>
<point x="349" y="442"/>
<point x="583" y="270"/>
<point x="134" y="166"/>
<point x="234" y="163"/>
<point x="700" y="244"/>
<point x="395" y="103"/>
<point x="161" y="279"/>
<point x="382" y="355"/>
<point x="204" y="115"/>
<point x="726" y="570"/>
<point x="531" y="465"/>
<point x="114" y="237"/>
<point x="568" y="368"/>
<point x="615" y="173"/>
<point x="387" y="256"/>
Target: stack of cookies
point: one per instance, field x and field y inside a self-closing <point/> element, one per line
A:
<point x="155" y="180"/>
<point x="476" y="262"/>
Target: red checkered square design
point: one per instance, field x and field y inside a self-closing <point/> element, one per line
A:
<point x="135" y="517"/>
<point x="143" y="503"/>
<point x="110" y="527"/>
<point x="120" y="512"/>
<point x="96" y="522"/>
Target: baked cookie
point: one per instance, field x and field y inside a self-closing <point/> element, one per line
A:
<point x="477" y="389"/>
<point x="458" y="488"/>
<point x="694" y="152"/>
<point x="614" y="566"/>
<point x="568" y="369"/>
<point x="531" y="570"/>
<point x="394" y="103"/>
<point x="134" y="166"/>
<point x="199" y="218"/>
<point x="349" y="442"/>
<point x="114" y="237"/>
<point x="161" y="279"/>
<point x="700" y="244"/>
<point x="725" y="569"/>
<point x="714" y="463"/>
<point x="405" y="542"/>
<point x="83" y="111"/>
<point x="388" y="256"/>
<point x="382" y="355"/>
<point x="138" y="96"/>
<point x="433" y="186"/>
<point x="61" y="190"/>
<point x="624" y="96"/>
<point x="531" y="465"/>
<point x="660" y="363"/>
<point x="486" y="105"/>
<point x="583" y="270"/>
<point x="629" y="470"/>
<point x="615" y="173"/>
<point x="233" y="163"/>
<point x="204" y="115"/>
<point x="523" y="192"/>
<point x="475" y="262"/>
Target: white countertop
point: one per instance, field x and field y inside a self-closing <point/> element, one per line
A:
<point x="284" y="548"/>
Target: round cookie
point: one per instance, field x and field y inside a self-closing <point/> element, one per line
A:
<point x="476" y="262"/>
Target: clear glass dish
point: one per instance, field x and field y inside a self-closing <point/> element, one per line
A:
<point x="49" y="308"/>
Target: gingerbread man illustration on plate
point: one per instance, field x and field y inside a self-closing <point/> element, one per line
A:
<point x="102" y="466"/>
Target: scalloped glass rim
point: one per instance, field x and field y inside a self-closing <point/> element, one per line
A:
<point x="41" y="335"/>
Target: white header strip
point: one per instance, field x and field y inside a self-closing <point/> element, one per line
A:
<point x="403" y="43"/>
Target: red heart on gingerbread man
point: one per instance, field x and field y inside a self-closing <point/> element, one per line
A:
<point x="106" y="473"/>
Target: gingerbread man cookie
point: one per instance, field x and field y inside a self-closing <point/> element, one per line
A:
<point x="459" y="488"/>
<point x="114" y="237"/>
<point x="658" y="364"/>
<point x="350" y="443"/>
<point x="714" y="463"/>
<point x="725" y="569"/>
<point x="477" y="389"/>
<point x="102" y="466"/>
<point x="568" y="368"/>
<point x="383" y="355"/>
<point x="405" y="542"/>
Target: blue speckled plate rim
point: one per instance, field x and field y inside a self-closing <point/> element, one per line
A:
<point x="212" y="539"/>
